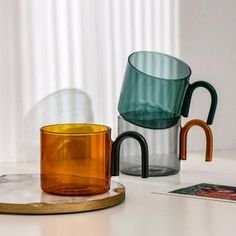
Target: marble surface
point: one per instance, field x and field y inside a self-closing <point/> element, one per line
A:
<point x="25" y="189"/>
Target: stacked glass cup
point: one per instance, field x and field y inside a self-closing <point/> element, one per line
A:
<point x="155" y="93"/>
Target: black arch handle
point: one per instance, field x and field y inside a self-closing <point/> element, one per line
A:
<point x="115" y="164"/>
<point x="188" y="96"/>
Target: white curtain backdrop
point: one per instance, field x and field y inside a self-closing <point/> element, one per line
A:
<point x="49" y="45"/>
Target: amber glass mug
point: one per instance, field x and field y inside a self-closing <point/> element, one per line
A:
<point x="79" y="159"/>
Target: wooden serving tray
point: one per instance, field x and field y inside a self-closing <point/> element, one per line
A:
<point x="21" y="194"/>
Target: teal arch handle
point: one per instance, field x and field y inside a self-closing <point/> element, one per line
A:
<point x="188" y="96"/>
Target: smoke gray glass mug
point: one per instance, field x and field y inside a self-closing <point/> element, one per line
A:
<point x="156" y="91"/>
<point x="166" y="147"/>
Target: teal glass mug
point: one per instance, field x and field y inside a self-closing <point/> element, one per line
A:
<point x="156" y="91"/>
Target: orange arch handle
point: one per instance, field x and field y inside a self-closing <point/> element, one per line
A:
<point x="183" y="138"/>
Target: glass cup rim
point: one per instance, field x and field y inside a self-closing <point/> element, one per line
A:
<point x="163" y="54"/>
<point x="178" y="118"/>
<point x="46" y="129"/>
<point x="164" y="119"/>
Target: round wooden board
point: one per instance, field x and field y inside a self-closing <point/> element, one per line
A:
<point x="21" y="194"/>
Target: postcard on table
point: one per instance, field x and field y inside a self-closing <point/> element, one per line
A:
<point x="206" y="190"/>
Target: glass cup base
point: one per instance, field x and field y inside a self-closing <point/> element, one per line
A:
<point x="73" y="186"/>
<point x="153" y="171"/>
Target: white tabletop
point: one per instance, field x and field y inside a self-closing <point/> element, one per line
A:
<point x="147" y="210"/>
